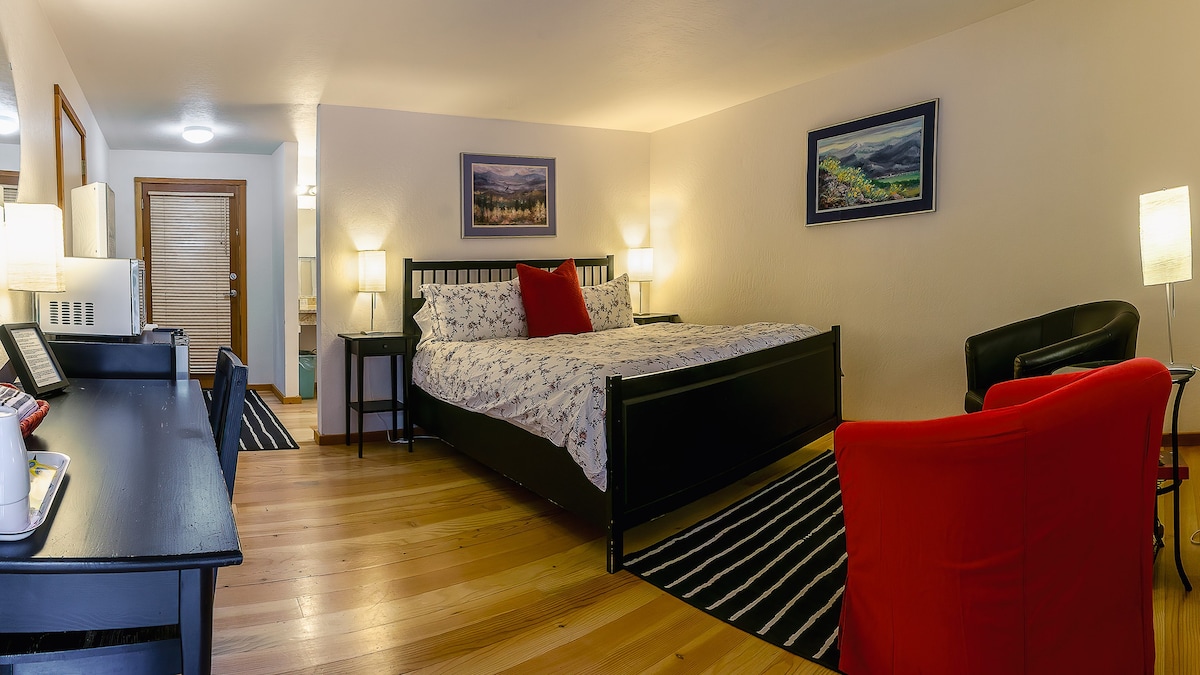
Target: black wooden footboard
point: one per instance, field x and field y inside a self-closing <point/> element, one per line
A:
<point x="673" y="436"/>
<point x="678" y="435"/>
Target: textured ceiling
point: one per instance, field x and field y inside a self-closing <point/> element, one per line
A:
<point x="255" y="70"/>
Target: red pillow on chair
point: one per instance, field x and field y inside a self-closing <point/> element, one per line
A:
<point x="553" y="300"/>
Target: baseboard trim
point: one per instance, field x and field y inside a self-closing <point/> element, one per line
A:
<point x="275" y="392"/>
<point x="1186" y="439"/>
<point x="284" y="399"/>
<point x="340" y="438"/>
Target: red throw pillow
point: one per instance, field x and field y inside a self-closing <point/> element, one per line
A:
<point x="553" y="300"/>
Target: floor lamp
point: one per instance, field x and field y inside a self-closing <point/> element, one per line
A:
<point x="372" y="277"/>
<point x="1166" y="234"/>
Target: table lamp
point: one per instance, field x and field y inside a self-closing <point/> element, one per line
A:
<point x="372" y="277"/>
<point x="641" y="270"/>
<point x="33" y="247"/>
<point x="1166" y="234"/>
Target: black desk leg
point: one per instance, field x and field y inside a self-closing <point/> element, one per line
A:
<point x="1187" y="585"/>
<point x="196" y="588"/>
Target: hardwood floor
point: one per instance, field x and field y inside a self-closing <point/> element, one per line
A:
<point x="426" y="562"/>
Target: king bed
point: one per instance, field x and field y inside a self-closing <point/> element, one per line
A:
<point x="664" y="438"/>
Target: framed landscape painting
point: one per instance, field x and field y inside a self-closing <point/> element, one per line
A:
<point x="882" y="165"/>
<point x="505" y="196"/>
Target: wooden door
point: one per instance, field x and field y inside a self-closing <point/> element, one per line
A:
<point x="191" y="235"/>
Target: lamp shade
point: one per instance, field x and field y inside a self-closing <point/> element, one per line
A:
<point x="372" y="271"/>
<point x="33" y="247"/>
<point x="1166" y="231"/>
<point x="641" y="264"/>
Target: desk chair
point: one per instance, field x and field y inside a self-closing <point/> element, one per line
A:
<point x="1012" y="540"/>
<point x="225" y="415"/>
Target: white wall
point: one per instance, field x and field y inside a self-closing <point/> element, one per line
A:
<point x="286" y="334"/>
<point x="10" y="156"/>
<point x="38" y="64"/>
<point x="390" y="180"/>
<point x="1054" y="117"/>
<point x="263" y="234"/>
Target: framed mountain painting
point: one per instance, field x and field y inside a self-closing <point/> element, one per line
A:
<point x="877" y="166"/>
<point x="504" y="196"/>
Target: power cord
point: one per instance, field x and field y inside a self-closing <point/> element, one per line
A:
<point x="398" y="441"/>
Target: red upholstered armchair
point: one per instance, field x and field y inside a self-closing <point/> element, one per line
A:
<point x="1012" y="540"/>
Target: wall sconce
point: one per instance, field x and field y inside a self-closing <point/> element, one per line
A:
<point x="34" y="247"/>
<point x="306" y="196"/>
<point x="372" y="277"/>
<point x="641" y="270"/>
<point x="1166" y="233"/>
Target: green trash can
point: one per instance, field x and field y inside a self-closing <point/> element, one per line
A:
<point x="308" y="368"/>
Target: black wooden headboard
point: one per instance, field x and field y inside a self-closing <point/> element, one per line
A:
<point x="592" y="271"/>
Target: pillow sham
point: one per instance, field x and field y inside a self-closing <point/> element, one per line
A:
<point x="608" y="304"/>
<point x="470" y="312"/>
<point x="553" y="300"/>
<point x="424" y="320"/>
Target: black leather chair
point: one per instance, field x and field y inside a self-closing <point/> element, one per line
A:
<point x="225" y="415"/>
<point x="1096" y="331"/>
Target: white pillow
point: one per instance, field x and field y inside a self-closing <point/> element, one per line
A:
<point x="424" y="319"/>
<point x="608" y="304"/>
<point x="470" y="312"/>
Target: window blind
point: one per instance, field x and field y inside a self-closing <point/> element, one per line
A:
<point x="189" y="271"/>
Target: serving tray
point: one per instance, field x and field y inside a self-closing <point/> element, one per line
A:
<point x="46" y="472"/>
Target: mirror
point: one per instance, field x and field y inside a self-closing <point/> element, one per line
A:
<point x="307" y="290"/>
<point x="71" y="152"/>
<point x="10" y="132"/>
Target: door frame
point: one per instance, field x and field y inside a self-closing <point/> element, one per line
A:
<point x="237" y="241"/>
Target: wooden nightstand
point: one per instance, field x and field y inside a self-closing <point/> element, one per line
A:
<point x="643" y="319"/>
<point x="396" y="347"/>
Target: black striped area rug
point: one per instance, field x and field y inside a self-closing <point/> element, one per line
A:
<point x="772" y="565"/>
<point x="261" y="429"/>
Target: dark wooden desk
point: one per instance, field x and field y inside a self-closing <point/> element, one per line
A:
<point x="140" y="524"/>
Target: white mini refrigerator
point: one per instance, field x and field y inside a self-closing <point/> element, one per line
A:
<point x="93" y="221"/>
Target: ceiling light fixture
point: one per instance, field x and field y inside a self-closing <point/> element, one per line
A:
<point x="197" y="134"/>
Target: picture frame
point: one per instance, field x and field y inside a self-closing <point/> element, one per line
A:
<point x="32" y="359"/>
<point x="873" y="167"/>
<point x="508" y="196"/>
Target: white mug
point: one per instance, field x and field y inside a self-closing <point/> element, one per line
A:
<point x="14" y="474"/>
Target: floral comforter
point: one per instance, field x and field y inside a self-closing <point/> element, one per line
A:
<point x="554" y="387"/>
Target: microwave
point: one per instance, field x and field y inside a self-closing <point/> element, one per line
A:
<point x="104" y="296"/>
